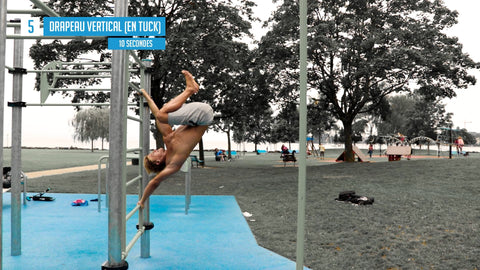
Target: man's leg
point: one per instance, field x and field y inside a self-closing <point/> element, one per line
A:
<point x="161" y="115"/>
<point x="190" y="89"/>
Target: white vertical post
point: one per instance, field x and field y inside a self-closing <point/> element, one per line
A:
<point x="117" y="154"/>
<point x="145" y="140"/>
<point x="3" y="39"/>
<point x="187" y="169"/>
<point x="16" y="221"/>
<point x="302" y="167"/>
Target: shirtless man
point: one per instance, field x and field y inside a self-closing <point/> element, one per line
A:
<point x="194" y="119"/>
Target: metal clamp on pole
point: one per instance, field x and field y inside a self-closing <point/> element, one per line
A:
<point x="147" y="225"/>
<point x="17" y="70"/>
<point x="17" y="104"/>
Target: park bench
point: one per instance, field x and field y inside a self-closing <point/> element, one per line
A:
<point x="289" y="158"/>
<point x="194" y="158"/>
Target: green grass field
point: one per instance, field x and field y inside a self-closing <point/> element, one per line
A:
<point x="48" y="159"/>
<point x="425" y="214"/>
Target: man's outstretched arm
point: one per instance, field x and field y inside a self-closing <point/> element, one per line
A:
<point x="162" y="126"/>
<point x="151" y="104"/>
<point x="155" y="182"/>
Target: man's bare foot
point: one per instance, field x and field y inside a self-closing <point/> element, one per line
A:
<point x="192" y="85"/>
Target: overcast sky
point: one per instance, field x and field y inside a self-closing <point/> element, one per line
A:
<point x="50" y="126"/>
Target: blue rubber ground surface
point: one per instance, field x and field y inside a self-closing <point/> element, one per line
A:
<point x="214" y="235"/>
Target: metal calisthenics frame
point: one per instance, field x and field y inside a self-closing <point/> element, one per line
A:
<point x="117" y="155"/>
<point x="120" y="70"/>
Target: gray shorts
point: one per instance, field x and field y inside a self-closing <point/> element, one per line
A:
<point x="192" y="114"/>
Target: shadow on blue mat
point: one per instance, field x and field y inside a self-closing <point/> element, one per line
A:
<point x="214" y="235"/>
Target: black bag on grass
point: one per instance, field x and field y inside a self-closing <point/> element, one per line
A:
<point x="350" y="196"/>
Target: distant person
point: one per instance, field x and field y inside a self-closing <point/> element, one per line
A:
<point x="370" y="150"/>
<point x="219" y="155"/>
<point x="284" y="151"/>
<point x="322" y="151"/>
<point x="401" y="137"/>
<point x="460" y="144"/>
<point x="194" y="119"/>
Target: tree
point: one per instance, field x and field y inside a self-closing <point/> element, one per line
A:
<point x="414" y="116"/>
<point x="91" y="124"/>
<point x="362" y="51"/>
<point x="467" y="137"/>
<point x="241" y="97"/>
<point x="202" y="37"/>
<point x="319" y="120"/>
<point x="256" y="128"/>
<point x="396" y="118"/>
<point x="285" y="125"/>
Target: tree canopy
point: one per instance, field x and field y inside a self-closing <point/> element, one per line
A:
<point x="204" y="37"/>
<point x="91" y="124"/>
<point x="360" y="52"/>
<point x="414" y="116"/>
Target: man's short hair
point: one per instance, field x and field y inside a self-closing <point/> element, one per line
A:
<point x="152" y="166"/>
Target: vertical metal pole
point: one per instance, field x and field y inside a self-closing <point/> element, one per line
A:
<point x="302" y="167"/>
<point x="450" y="144"/>
<point x="188" y="181"/>
<point x="16" y="221"/>
<point x="145" y="139"/>
<point x="117" y="156"/>
<point x="3" y="39"/>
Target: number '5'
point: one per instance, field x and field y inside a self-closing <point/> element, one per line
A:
<point x="30" y="26"/>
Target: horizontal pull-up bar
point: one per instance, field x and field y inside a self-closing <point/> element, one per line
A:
<point x="73" y="104"/>
<point x="71" y="70"/>
<point x="84" y="63"/>
<point x="76" y="71"/>
<point x="82" y="76"/>
<point x="79" y="89"/>
<point x="15" y="24"/>
<point x="26" y="11"/>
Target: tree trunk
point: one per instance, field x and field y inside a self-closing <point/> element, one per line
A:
<point x="229" y="143"/>
<point x="348" y="129"/>
<point x="201" y="152"/>
<point x="91" y="145"/>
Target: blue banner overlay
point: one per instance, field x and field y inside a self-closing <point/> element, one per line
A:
<point x="136" y="43"/>
<point x="104" y="26"/>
